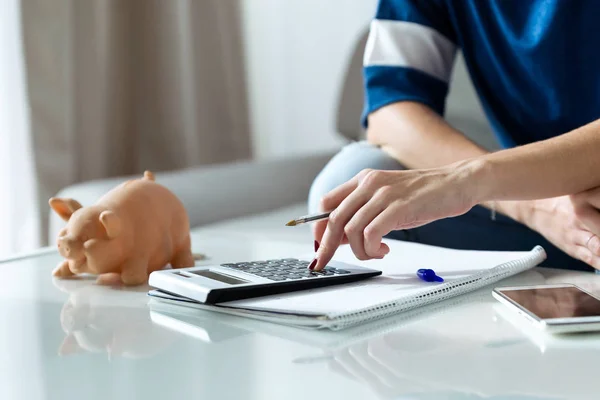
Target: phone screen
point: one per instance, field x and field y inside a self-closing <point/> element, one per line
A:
<point x="560" y="302"/>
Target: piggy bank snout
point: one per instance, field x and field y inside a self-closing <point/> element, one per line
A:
<point x="69" y="247"/>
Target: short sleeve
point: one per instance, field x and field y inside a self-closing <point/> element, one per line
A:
<point x="409" y="55"/>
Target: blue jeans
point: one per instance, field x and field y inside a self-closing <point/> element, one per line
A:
<point x="474" y="230"/>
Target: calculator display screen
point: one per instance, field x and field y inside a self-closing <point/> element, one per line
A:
<point x="207" y="273"/>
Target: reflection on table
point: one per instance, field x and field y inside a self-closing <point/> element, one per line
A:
<point x="95" y="322"/>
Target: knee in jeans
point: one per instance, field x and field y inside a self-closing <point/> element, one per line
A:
<point x="352" y="159"/>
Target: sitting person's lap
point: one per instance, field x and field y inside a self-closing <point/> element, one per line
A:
<point x="474" y="230"/>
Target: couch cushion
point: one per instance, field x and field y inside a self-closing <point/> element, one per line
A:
<point x="269" y="225"/>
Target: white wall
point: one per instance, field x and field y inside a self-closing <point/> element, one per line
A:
<point x="296" y="53"/>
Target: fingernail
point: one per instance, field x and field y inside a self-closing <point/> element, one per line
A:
<point x="316" y="245"/>
<point x="312" y="264"/>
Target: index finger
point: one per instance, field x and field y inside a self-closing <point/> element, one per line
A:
<point x="319" y="230"/>
<point x="330" y="202"/>
<point x="334" y="232"/>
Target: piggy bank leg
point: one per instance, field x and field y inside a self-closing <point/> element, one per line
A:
<point x="183" y="259"/>
<point x="109" y="279"/>
<point x="134" y="272"/>
<point x="62" y="270"/>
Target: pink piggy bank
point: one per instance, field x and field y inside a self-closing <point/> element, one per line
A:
<point x="136" y="228"/>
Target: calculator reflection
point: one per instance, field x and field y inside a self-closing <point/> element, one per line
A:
<point x="126" y="327"/>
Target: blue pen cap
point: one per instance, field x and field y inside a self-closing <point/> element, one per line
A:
<point x="429" y="275"/>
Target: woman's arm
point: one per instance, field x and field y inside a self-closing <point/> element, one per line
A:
<point x="419" y="138"/>
<point x="563" y="165"/>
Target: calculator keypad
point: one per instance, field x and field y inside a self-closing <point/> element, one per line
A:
<point x="284" y="269"/>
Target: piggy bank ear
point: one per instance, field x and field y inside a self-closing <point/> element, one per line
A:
<point x="111" y="222"/>
<point x="64" y="207"/>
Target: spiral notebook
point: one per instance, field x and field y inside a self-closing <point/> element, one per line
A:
<point x="397" y="290"/>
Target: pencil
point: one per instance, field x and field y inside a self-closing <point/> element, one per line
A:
<point x="308" y="218"/>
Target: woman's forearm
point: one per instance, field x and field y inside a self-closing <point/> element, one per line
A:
<point x="419" y="138"/>
<point x="563" y="165"/>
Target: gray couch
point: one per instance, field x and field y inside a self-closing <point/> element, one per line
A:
<point x="219" y="193"/>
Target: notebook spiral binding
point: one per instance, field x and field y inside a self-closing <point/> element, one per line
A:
<point x="440" y="292"/>
<point x="389" y="324"/>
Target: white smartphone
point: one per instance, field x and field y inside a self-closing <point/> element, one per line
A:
<point x="561" y="308"/>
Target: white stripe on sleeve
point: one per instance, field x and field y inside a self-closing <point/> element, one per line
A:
<point x="411" y="45"/>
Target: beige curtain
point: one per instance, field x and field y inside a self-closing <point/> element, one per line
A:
<point x="119" y="86"/>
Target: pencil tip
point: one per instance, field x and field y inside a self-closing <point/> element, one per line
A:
<point x="291" y="223"/>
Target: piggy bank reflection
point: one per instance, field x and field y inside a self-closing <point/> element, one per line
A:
<point x="134" y="229"/>
<point x="95" y="321"/>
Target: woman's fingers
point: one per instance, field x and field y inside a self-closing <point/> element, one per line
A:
<point x="330" y="202"/>
<point x="319" y="230"/>
<point x="588" y="240"/>
<point x="591" y="197"/>
<point x="333" y="199"/>
<point x="344" y="200"/>
<point x="590" y="217"/>
<point x="381" y="225"/>
<point x="334" y="232"/>
<point x="584" y="254"/>
<point x="355" y="229"/>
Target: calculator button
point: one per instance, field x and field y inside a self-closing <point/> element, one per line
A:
<point x="342" y="271"/>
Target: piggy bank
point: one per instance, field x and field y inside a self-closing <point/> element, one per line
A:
<point x="136" y="228"/>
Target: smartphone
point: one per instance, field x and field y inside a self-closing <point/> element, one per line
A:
<point x="561" y="308"/>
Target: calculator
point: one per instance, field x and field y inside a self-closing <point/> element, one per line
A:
<point x="242" y="280"/>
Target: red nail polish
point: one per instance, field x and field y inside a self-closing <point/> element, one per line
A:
<point x="312" y="264"/>
<point x="316" y="245"/>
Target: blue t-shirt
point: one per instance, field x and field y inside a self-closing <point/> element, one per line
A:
<point x="535" y="64"/>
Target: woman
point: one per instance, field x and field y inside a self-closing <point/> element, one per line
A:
<point x="376" y="202"/>
<point x="535" y="67"/>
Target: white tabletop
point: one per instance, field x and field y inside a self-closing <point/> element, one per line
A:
<point x="71" y="339"/>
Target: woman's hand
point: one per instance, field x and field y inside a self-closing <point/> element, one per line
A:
<point x="567" y="222"/>
<point x="587" y="209"/>
<point x="374" y="203"/>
